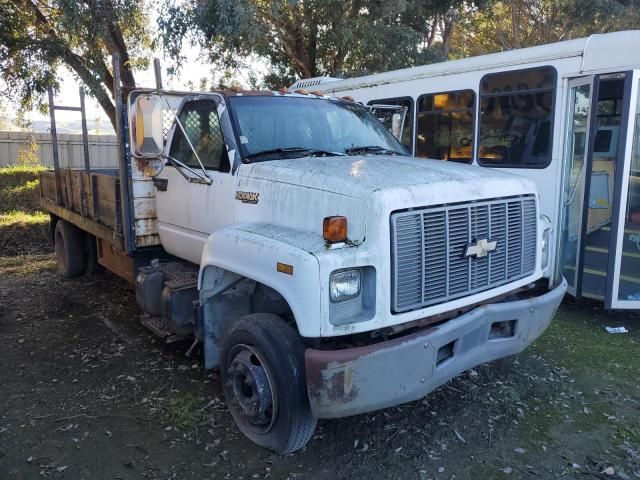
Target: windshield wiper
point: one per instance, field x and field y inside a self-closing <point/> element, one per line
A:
<point x="371" y="149"/>
<point x="299" y="151"/>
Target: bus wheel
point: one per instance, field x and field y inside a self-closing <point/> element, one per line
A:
<point x="69" y="248"/>
<point x="264" y="382"/>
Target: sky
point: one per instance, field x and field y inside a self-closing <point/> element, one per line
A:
<point x="194" y="68"/>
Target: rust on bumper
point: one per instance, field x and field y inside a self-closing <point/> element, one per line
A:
<point x="357" y="380"/>
<point x="331" y="374"/>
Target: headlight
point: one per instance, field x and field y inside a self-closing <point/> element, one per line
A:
<point x="344" y="285"/>
<point x="545" y="248"/>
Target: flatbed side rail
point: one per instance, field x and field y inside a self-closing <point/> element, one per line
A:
<point x="88" y="225"/>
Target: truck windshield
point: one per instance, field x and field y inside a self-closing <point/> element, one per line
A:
<point x="277" y="127"/>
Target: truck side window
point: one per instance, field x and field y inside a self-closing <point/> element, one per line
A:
<point x="202" y="125"/>
<point x="408" y="121"/>
<point x="516" y="118"/>
<point x="445" y="126"/>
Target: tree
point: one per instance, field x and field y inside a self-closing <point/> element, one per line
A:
<point x="507" y="24"/>
<point x="38" y="36"/>
<point x="307" y="38"/>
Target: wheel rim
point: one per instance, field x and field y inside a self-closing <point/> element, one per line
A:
<point x="250" y="389"/>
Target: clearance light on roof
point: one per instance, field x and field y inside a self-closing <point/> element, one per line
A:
<point x="334" y="229"/>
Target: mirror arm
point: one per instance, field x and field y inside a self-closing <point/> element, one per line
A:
<point x="179" y="166"/>
<point x="204" y="171"/>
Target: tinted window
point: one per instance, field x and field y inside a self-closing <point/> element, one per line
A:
<point x="445" y="126"/>
<point x="408" y="121"/>
<point x="202" y="126"/>
<point x="516" y="117"/>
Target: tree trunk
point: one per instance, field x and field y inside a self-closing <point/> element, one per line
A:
<point x="515" y="24"/>
<point x="449" y="21"/>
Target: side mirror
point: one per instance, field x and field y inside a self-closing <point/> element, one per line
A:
<point x="145" y="126"/>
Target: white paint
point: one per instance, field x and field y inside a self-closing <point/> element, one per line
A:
<point x="189" y="212"/>
<point x="611" y="52"/>
<point x="286" y="226"/>
<point x="206" y="224"/>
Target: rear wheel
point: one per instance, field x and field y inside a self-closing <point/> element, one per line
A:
<point x="264" y="383"/>
<point x="69" y="248"/>
<point x="91" y="253"/>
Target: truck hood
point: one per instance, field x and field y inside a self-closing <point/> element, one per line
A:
<point x="299" y="193"/>
<point x="360" y="176"/>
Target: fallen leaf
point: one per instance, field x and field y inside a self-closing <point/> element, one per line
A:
<point x="609" y="471"/>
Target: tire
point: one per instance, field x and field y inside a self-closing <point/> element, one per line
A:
<point x="91" y="253"/>
<point x="69" y="248"/>
<point x="264" y="383"/>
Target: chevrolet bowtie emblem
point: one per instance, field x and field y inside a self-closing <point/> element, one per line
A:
<point x="481" y="248"/>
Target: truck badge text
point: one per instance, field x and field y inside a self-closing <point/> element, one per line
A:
<point x="247" y="197"/>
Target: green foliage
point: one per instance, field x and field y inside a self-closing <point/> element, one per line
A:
<point x="23" y="226"/>
<point x="38" y="37"/>
<point x="508" y="24"/>
<point x="306" y="38"/>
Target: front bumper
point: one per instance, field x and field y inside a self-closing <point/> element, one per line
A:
<point x="357" y="380"/>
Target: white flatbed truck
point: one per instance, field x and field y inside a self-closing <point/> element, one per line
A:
<point x="325" y="271"/>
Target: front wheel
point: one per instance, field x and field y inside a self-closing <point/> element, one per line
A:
<point x="264" y="383"/>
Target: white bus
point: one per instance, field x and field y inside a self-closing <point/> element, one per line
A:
<point x="564" y="115"/>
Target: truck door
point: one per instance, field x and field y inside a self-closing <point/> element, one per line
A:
<point x="191" y="203"/>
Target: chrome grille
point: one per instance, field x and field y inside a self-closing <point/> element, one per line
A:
<point x="428" y="250"/>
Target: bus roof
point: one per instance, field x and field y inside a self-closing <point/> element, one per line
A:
<point x="608" y="51"/>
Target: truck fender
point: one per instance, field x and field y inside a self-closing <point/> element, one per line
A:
<point x="235" y="259"/>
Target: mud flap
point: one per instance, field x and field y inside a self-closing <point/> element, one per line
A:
<point x="215" y="315"/>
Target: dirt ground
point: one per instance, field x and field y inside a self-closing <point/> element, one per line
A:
<point x="88" y="393"/>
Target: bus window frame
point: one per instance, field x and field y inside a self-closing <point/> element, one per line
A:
<point x="552" y="122"/>
<point x="474" y="116"/>
<point x="411" y="113"/>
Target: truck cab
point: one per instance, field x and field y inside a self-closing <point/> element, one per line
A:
<point x="324" y="270"/>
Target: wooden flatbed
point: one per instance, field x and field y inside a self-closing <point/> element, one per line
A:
<point x="91" y="201"/>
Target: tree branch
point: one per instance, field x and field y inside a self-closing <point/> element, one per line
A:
<point x="71" y="59"/>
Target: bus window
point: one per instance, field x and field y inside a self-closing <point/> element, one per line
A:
<point x="516" y="118"/>
<point x="445" y="126"/>
<point x="408" y="121"/>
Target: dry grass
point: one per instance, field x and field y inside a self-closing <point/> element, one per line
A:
<point x="25" y="265"/>
<point x="23" y="226"/>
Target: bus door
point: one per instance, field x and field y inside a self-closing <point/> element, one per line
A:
<point x="596" y="154"/>
<point x="624" y="286"/>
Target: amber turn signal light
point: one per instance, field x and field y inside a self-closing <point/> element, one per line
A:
<point x="334" y="229"/>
